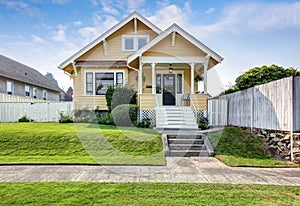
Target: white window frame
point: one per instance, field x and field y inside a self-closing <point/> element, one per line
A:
<point x="135" y="38"/>
<point x="44" y="97"/>
<point x="33" y="93"/>
<point x="29" y="88"/>
<point x="115" y="71"/>
<point x="11" y="87"/>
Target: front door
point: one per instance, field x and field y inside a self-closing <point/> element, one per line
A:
<point x="169" y="89"/>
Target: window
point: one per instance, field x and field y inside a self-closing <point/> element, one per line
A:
<point x="179" y="83"/>
<point x="134" y="42"/>
<point x="10" y="87"/>
<point x="89" y="83"/>
<point x="27" y="91"/>
<point x="103" y="81"/>
<point x="158" y="84"/>
<point x="45" y="95"/>
<point x="34" y="92"/>
<point x="119" y="81"/>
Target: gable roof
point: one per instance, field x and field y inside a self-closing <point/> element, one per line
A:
<point x="107" y="34"/>
<point x="183" y="33"/>
<point x="16" y="71"/>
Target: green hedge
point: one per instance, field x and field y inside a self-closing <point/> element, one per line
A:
<point x="125" y="115"/>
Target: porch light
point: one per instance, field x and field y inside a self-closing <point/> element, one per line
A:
<point x="170" y="69"/>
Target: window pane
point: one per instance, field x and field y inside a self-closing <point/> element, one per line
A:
<point x="103" y="81"/>
<point x="45" y="95"/>
<point x="34" y="92"/>
<point x="158" y="84"/>
<point x="179" y="83"/>
<point x="27" y="91"/>
<point x="142" y="42"/>
<point x="89" y="77"/>
<point x="89" y="83"/>
<point x="9" y="86"/>
<point x="129" y="44"/>
<point x="119" y="79"/>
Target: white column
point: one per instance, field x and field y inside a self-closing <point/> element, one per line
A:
<point x="192" y="78"/>
<point x="140" y="79"/>
<point x="205" y="75"/>
<point x="153" y="79"/>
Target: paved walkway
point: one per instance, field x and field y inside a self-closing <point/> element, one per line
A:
<point x="196" y="170"/>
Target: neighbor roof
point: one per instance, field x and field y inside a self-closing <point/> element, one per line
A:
<point x="183" y="33"/>
<point x="107" y="34"/>
<point x="16" y="71"/>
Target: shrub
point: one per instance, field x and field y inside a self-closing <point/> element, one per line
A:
<point x="145" y="123"/>
<point x="120" y="95"/>
<point x="65" y="118"/>
<point x="125" y="115"/>
<point x="85" y="116"/>
<point x="105" y="118"/>
<point x="203" y="122"/>
<point x="24" y="119"/>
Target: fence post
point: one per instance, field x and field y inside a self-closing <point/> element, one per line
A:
<point x="292" y="119"/>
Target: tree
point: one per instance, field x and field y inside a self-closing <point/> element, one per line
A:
<point x="69" y="94"/>
<point x="50" y="77"/>
<point x="261" y="75"/>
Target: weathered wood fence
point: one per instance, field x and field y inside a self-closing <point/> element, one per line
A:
<point x="35" y="111"/>
<point x="273" y="106"/>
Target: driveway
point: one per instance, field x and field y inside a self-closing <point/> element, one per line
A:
<point x="193" y="170"/>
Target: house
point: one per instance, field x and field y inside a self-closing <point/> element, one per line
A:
<point x="160" y="65"/>
<point x="19" y="80"/>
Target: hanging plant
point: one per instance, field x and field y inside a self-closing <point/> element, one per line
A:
<point x="198" y="78"/>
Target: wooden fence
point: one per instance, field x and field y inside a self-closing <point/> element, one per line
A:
<point x="15" y="98"/>
<point x="273" y="106"/>
<point x="217" y="112"/>
<point x="35" y="111"/>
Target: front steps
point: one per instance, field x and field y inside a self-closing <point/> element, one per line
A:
<point x="187" y="146"/>
<point x="174" y="117"/>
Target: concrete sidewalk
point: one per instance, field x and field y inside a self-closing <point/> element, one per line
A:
<point x="193" y="170"/>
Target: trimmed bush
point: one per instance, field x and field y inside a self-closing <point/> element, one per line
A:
<point x="24" y="119"/>
<point x="123" y="95"/>
<point x="125" y="115"/>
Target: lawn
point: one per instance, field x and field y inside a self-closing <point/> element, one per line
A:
<point x="238" y="147"/>
<point x="146" y="194"/>
<point x="54" y="143"/>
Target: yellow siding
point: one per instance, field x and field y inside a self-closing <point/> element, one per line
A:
<point x="114" y="44"/>
<point x="182" y="48"/>
<point x="199" y="101"/>
<point x="146" y="101"/>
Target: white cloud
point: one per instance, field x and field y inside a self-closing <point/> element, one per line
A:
<point x="60" y="1"/>
<point x="88" y="32"/>
<point x="37" y="39"/>
<point x="210" y="10"/>
<point x="60" y="35"/>
<point x="135" y="4"/>
<point x="77" y="23"/>
<point x="109" y="9"/>
<point x="22" y="7"/>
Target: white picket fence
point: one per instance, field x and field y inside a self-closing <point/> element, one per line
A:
<point x="35" y="111"/>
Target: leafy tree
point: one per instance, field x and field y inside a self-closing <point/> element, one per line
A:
<point x="68" y="96"/>
<point x="51" y="78"/>
<point x="261" y="75"/>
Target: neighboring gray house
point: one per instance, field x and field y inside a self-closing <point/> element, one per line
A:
<point x="21" y="80"/>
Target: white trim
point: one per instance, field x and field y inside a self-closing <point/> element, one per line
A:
<point x="37" y="92"/>
<point x="107" y="34"/>
<point x="153" y="78"/>
<point x="173" y="60"/>
<point x="192" y="78"/>
<point x="173" y="38"/>
<point x="94" y="79"/>
<point x="184" y="34"/>
<point x="135" y="38"/>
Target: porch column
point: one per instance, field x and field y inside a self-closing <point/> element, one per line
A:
<point x="140" y="79"/>
<point x="153" y="79"/>
<point x="192" y="78"/>
<point x="205" y="74"/>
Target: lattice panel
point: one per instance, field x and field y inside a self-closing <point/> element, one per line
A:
<point x="202" y="113"/>
<point x="147" y="114"/>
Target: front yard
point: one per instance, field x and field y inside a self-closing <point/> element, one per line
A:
<point x="54" y="143"/>
<point x="146" y="194"/>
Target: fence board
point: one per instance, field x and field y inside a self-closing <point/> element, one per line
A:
<point x="37" y="111"/>
<point x="296" y="103"/>
<point x="217" y="112"/>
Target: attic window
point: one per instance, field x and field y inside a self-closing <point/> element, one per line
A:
<point x="134" y="42"/>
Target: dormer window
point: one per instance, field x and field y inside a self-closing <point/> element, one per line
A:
<point x="134" y="42"/>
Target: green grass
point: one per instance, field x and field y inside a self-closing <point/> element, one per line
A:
<point x="54" y="143"/>
<point x="238" y="147"/>
<point x="146" y="194"/>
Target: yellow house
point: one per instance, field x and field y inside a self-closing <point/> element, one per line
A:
<point x="160" y="65"/>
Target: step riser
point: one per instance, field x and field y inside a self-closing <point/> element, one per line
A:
<point x="188" y="147"/>
<point x="189" y="154"/>
<point x="186" y="141"/>
<point x="194" y="137"/>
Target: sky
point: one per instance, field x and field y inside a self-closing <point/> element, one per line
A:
<point x="43" y="33"/>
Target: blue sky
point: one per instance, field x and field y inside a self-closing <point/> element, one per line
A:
<point x="43" y="33"/>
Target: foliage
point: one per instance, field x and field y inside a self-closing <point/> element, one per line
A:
<point x="86" y="116"/>
<point x="54" y="143"/>
<point x="198" y="78"/>
<point x="123" y="95"/>
<point x="65" y="118"/>
<point x="105" y="118"/>
<point x="145" y="123"/>
<point x="237" y="147"/>
<point x="108" y="96"/>
<point x="80" y="193"/>
<point x="261" y="75"/>
<point x="202" y="122"/>
<point x="24" y="119"/>
<point x="68" y="96"/>
<point x="125" y="114"/>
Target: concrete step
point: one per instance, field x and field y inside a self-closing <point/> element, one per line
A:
<point x="187" y="147"/>
<point x="196" y="136"/>
<point x="188" y="153"/>
<point x="185" y="141"/>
